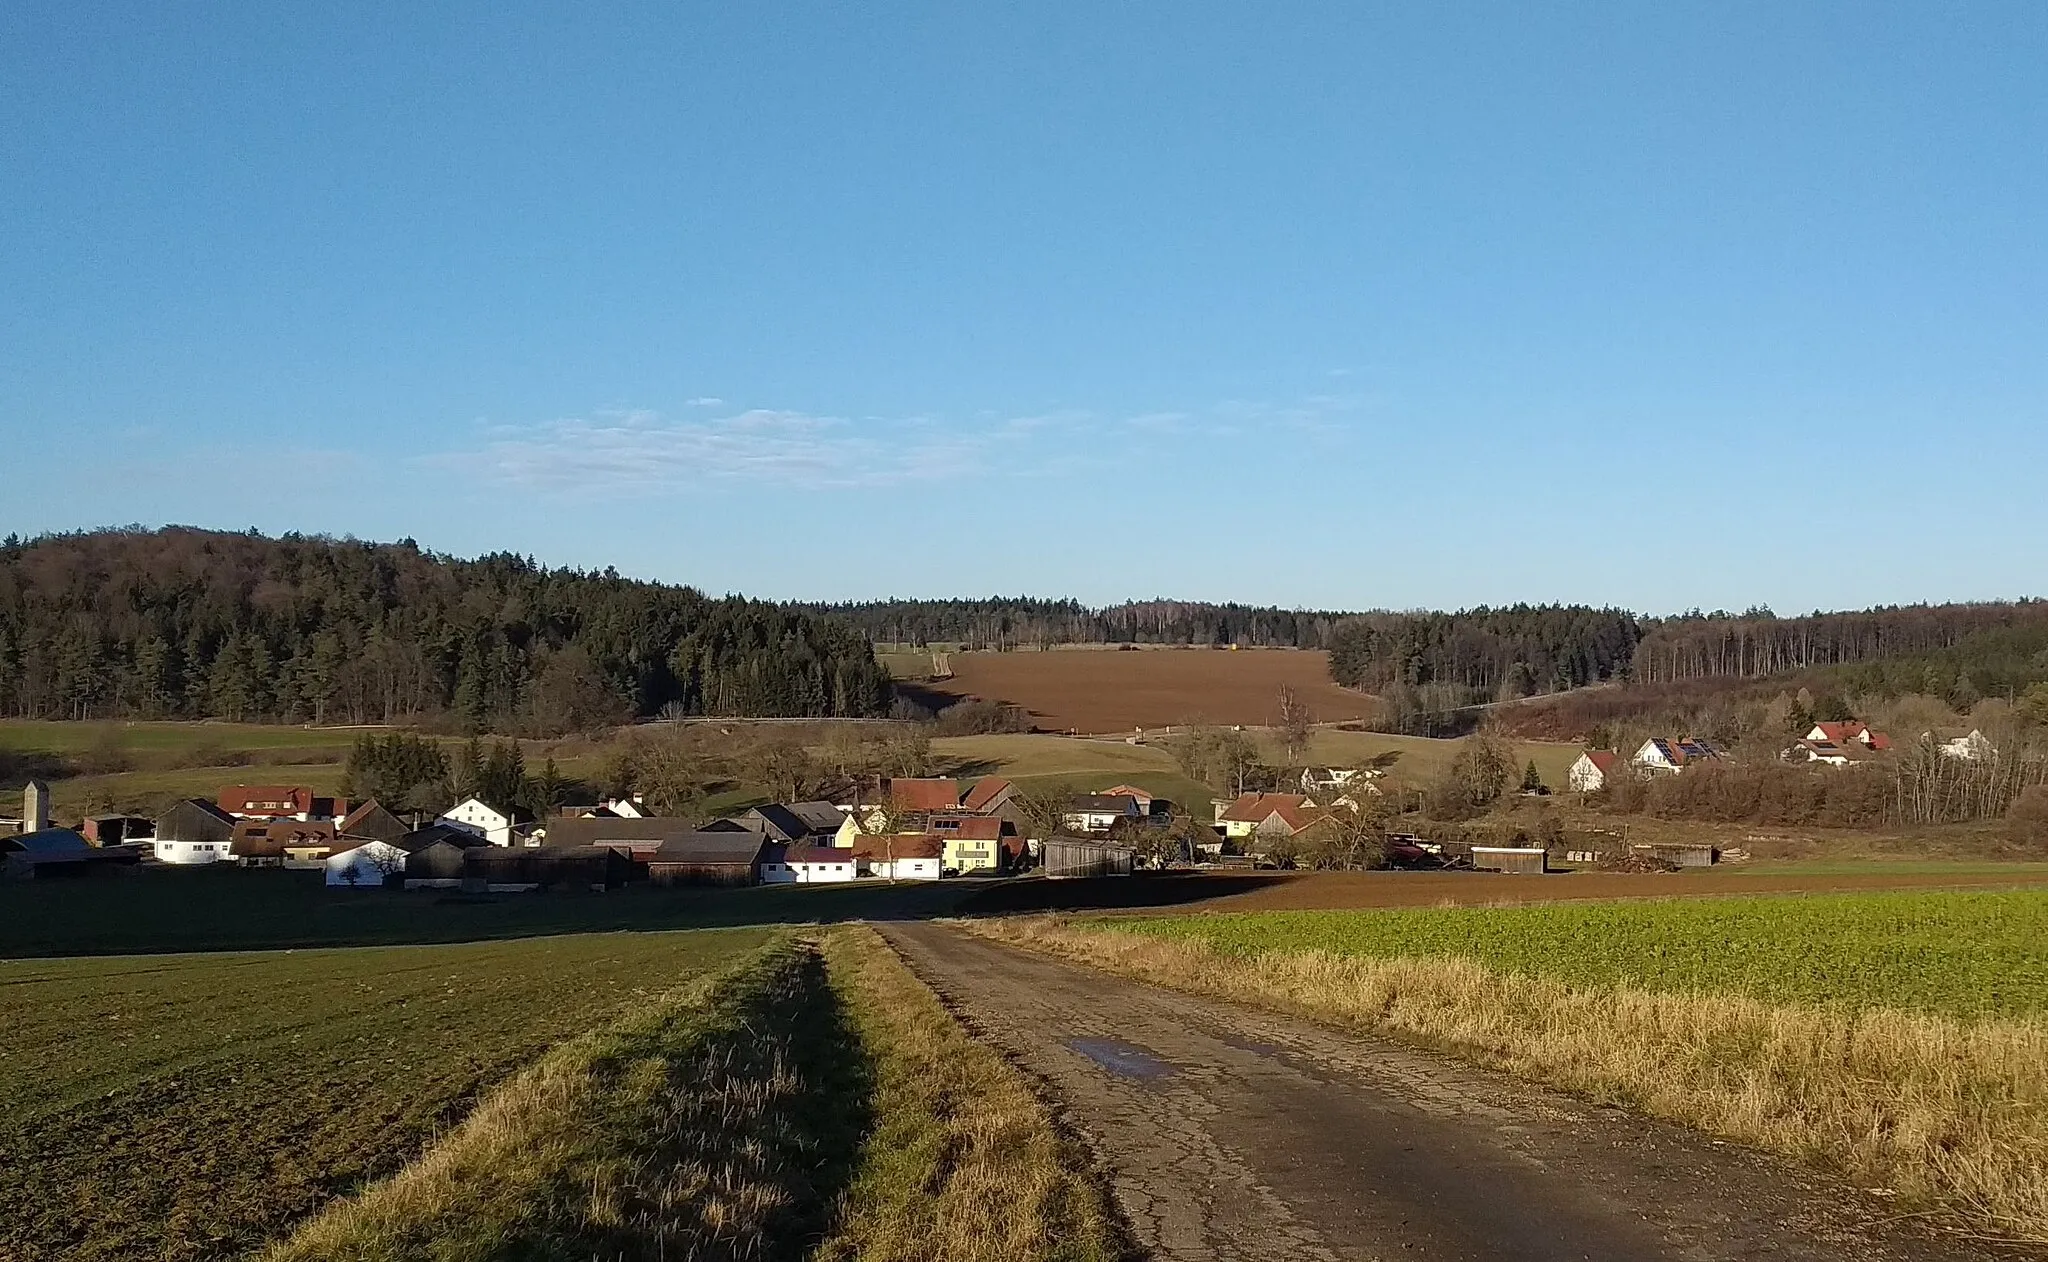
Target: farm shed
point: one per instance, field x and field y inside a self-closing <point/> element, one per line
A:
<point x="435" y="856"/>
<point x="53" y="852"/>
<point x="711" y="858"/>
<point x="1075" y="856"/>
<point x="499" y="869"/>
<point x="195" y="819"/>
<point x="1510" y="859"/>
<point x="1684" y="854"/>
<point x="639" y="837"/>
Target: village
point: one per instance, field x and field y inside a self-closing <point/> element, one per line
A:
<point x="914" y="829"/>
<point x="922" y="829"/>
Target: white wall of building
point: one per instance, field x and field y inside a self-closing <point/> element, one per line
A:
<point x="193" y="852"/>
<point x="906" y="869"/>
<point x="365" y="866"/>
<point x="473" y="816"/>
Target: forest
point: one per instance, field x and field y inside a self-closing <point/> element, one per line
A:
<point x="186" y="623"/>
<point x="1428" y="665"/>
<point x="1008" y="622"/>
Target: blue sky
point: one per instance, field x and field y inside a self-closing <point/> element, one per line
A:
<point x="1327" y="305"/>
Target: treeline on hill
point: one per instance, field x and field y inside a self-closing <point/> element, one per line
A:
<point x="184" y="623"/>
<point x="1432" y="669"/>
<point x="1009" y="622"/>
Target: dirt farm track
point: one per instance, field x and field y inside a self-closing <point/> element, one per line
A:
<point x="1103" y="690"/>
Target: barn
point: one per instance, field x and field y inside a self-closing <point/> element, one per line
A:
<point x="711" y="858"/>
<point x="499" y="869"/>
<point x="1529" y="859"/>
<point x="1080" y="856"/>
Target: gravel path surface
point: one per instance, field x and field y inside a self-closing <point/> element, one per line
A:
<point x="1228" y="1133"/>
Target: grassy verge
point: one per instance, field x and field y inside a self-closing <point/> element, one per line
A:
<point x="1951" y="1114"/>
<point x="963" y="1163"/>
<point x="719" y="1122"/>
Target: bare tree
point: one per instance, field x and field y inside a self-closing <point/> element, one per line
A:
<point x="1297" y="725"/>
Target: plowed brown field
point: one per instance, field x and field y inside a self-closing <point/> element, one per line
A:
<point x="1103" y="690"/>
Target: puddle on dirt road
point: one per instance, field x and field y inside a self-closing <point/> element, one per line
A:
<point x="1126" y="1060"/>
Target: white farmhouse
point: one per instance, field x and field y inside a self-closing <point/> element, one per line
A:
<point x="1971" y="746"/>
<point x="508" y="826"/>
<point x="1589" y="774"/>
<point x="364" y="866"/>
<point x="809" y="865"/>
<point x="1661" y="753"/>
<point x="902" y="857"/>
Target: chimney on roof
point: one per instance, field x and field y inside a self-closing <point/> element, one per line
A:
<point x="35" y="807"/>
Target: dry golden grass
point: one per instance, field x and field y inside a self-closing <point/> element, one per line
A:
<point x="963" y="1163"/>
<point x="713" y="1125"/>
<point x="1950" y="1115"/>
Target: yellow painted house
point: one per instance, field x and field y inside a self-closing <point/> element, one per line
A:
<point x="971" y="845"/>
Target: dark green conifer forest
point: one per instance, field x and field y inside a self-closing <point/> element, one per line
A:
<point x="185" y="623"/>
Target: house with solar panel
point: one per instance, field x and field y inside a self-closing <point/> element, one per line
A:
<point x="1664" y="753"/>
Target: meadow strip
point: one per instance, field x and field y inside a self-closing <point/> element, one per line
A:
<point x="717" y="1123"/>
<point x="1950" y="1114"/>
<point x="963" y="1163"/>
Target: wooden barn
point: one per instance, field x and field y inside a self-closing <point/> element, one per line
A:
<point x="435" y="855"/>
<point x="1080" y="856"/>
<point x="711" y="858"/>
<point x="1681" y="854"/>
<point x="500" y="869"/>
<point x="1530" y="859"/>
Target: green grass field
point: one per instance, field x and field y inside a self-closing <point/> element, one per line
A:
<point x="189" y="1107"/>
<point x="1964" y="954"/>
<point x="146" y="737"/>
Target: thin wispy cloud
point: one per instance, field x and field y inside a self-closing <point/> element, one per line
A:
<point x="642" y="450"/>
<point x="645" y="451"/>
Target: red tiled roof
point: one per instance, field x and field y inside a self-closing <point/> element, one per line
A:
<point x="1878" y="740"/>
<point x="266" y="799"/>
<point x="900" y="846"/>
<point x="1125" y="791"/>
<point x="924" y="795"/>
<point x="1840" y="733"/>
<point x="816" y="854"/>
<point x="985" y="791"/>
<point x="1604" y="759"/>
<point x="268" y="839"/>
<point x="1253" y="808"/>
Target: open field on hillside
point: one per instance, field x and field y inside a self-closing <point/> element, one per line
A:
<point x="188" y="1107"/>
<point x="145" y="737"/>
<point x="1901" y="1039"/>
<point x="1108" y="691"/>
<point x="1406" y="759"/>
